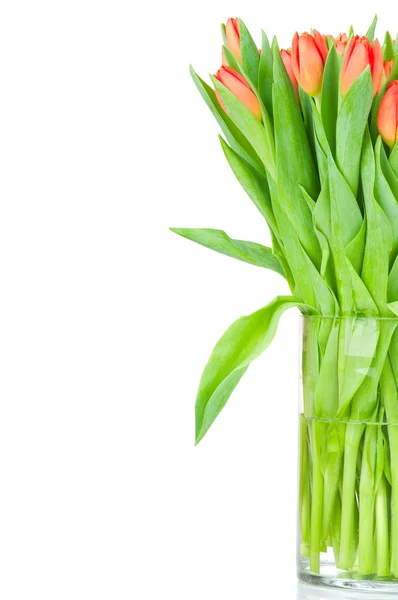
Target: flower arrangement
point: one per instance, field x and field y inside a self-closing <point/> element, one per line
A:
<point x="310" y="133"/>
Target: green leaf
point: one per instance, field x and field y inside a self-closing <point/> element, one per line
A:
<point x="345" y="223"/>
<point x="371" y="31"/>
<point x="295" y="164"/>
<point x="311" y="288"/>
<point x="388" y="172"/>
<point x="249" y="52"/>
<point x="223" y="33"/>
<point x="259" y="135"/>
<point x="355" y="249"/>
<point x="240" y="345"/>
<point x="234" y="136"/>
<point x="386" y="200"/>
<point x="250" y="252"/>
<point x="265" y="75"/>
<point x="232" y="60"/>
<point x="360" y="338"/>
<point x="393" y="160"/>
<point x="392" y="287"/>
<point x="378" y="233"/>
<point x="351" y="123"/>
<point x="254" y="184"/>
<point x="388" y="47"/>
<point x="330" y="96"/>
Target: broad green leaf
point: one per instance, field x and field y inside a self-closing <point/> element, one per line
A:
<point x="311" y="288"/>
<point x="240" y="345"/>
<point x="295" y="165"/>
<point x="234" y="136"/>
<point x="388" y="47"/>
<point x="258" y="134"/>
<point x="250" y="252"/>
<point x="265" y="75"/>
<point x="386" y="200"/>
<point x="371" y="31"/>
<point x="378" y="233"/>
<point x="330" y="96"/>
<point x="360" y="338"/>
<point x="250" y="53"/>
<point x="345" y="222"/>
<point x="351" y="123"/>
<point x="254" y="184"/>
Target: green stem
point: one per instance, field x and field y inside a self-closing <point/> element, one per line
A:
<point x="382" y="534"/>
<point x="305" y="497"/>
<point x="348" y="522"/>
<point x="336" y="530"/>
<point x="390" y="399"/>
<point x="366" y="557"/>
<point x="318" y="432"/>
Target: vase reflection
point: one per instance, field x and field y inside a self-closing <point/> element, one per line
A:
<point x="308" y="592"/>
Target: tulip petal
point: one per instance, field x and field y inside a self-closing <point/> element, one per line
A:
<point x="233" y="38"/>
<point x="387" y="115"/>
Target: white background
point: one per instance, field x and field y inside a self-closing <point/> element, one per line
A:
<point x="107" y="318"/>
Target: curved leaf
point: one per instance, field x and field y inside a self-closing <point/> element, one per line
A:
<point x="249" y="252"/>
<point x="240" y="345"/>
<point x="249" y="52"/>
<point x="351" y="123"/>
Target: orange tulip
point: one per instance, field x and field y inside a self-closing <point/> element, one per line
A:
<point x="287" y="61"/>
<point x="387" y="67"/>
<point x="359" y="55"/>
<point x="240" y="88"/>
<point x="341" y="42"/>
<point x="387" y="117"/>
<point x="309" y="54"/>
<point x="232" y="42"/>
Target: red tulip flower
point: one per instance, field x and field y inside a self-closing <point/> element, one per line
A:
<point x="341" y="42"/>
<point x="387" y="117"/>
<point x="287" y="61"/>
<point x="232" y="41"/>
<point x="359" y="55"/>
<point x="387" y="67"/>
<point x="240" y="88"/>
<point x="309" y="54"/>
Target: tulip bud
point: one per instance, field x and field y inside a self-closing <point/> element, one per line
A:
<point x="232" y="36"/>
<point x="341" y="42"/>
<point x="387" y="117"/>
<point x="359" y="55"/>
<point x="309" y="54"/>
<point x="240" y="88"/>
<point x="387" y="67"/>
<point x="287" y="61"/>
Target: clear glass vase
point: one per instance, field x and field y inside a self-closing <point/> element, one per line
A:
<point x="348" y="467"/>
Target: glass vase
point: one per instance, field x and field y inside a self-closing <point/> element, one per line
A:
<point x="348" y="466"/>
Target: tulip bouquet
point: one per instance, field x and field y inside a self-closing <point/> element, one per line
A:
<point x="310" y="133"/>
